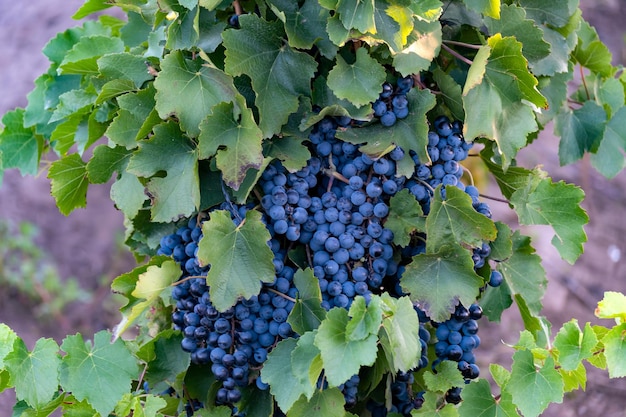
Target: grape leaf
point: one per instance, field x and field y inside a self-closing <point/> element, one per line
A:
<point x="615" y="351"/>
<point x="68" y="176"/>
<point x="360" y="82"/>
<point x="365" y="318"/>
<point x="128" y="194"/>
<point x="324" y="403"/>
<point x="490" y="8"/>
<point x="447" y="376"/>
<point x="502" y="247"/>
<point x="612" y="306"/>
<point x="523" y="273"/>
<point x="454" y="219"/>
<point x="277" y="369"/>
<point x="124" y="66"/>
<point x="113" y="89"/>
<point x="231" y="134"/>
<point x="561" y="45"/>
<point x="609" y="159"/>
<point x="514" y="178"/>
<point x="105" y="161"/>
<point x="177" y="194"/>
<point x="439" y="281"/>
<point x="307" y="312"/>
<point x="574" y="380"/>
<point x="495" y="300"/>
<point x="342" y="357"/>
<point x="255" y="403"/>
<point x="279" y="73"/>
<point x="557" y="205"/>
<point x="405" y="217"/>
<point x="7" y="340"/>
<point x="134" y="119"/>
<point x="166" y="361"/>
<point x="189" y="89"/>
<point x="291" y="152"/>
<point x="83" y="57"/>
<point x="422" y="47"/>
<point x="184" y="33"/>
<point x="89" y="7"/>
<point x="429" y="10"/>
<point x="393" y="23"/>
<point x="513" y="22"/>
<point x="20" y="147"/>
<point x="409" y="134"/>
<point x="591" y="52"/>
<point x="399" y="333"/>
<point x="556" y="13"/>
<point x="239" y="257"/>
<point x="478" y="401"/>
<point x="100" y="373"/>
<point x="35" y="374"/>
<point x="357" y="14"/>
<point x="574" y="345"/>
<point x="147" y="405"/>
<point x="151" y="286"/>
<point x="544" y="385"/>
<point x="433" y="406"/>
<point x="497" y="84"/>
<point x="306" y="363"/>
<point x="451" y="93"/>
<point x="305" y="25"/>
<point x="580" y="130"/>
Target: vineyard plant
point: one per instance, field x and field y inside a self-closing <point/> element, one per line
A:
<point x="301" y="185"/>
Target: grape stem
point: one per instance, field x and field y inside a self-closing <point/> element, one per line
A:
<point x="143" y="374"/>
<point x="335" y="174"/>
<point x="237" y="6"/>
<point x="582" y="77"/>
<point x="281" y="294"/>
<point x="501" y="200"/>
<point x="456" y="54"/>
<point x="463" y="44"/>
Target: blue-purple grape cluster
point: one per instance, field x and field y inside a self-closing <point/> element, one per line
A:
<point x="335" y="208"/>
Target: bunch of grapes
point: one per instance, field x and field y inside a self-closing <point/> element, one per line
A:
<point x="335" y="208"/>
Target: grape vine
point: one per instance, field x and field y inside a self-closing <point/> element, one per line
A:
<point x="296" y="177"/>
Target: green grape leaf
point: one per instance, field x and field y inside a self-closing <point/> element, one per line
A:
<point x="20" y="147"/>
<point x="498" y="83"/>
<point x="555" y="13"/>
<point x="555" y="90"/>
<point x="152" y="285"/>
<point x="574" y="345"/>
<point x="357" y="14"/>
<point x="495" y="301"/>
<point x="365" y="318"/>
<point x="557" y="62"/>
<point x="278" y="368"/>
<point x="454" y="219"/>
<point x="145" y="406"/>
<point x="307" y="312"/>
<point x="306" y="363"/>
<point x="399" y="333"/>
<point x="591" y="52"/>
<point x="451" y="93"/>
<point x="113" y="89"/>
<point x="231" y="134"/>
<point x="34" y="374"/>
<point x="184" y="33"/>
<point x="279" y="74"/>
<point x="523" y="273"/>
<point x="124" y="66"/>
<point x="405" y="217"/>
<point x="178" y="193"/>
<point x="255" y="403"/>
<point x="428" y="10"/>
<point x="610" y="94"/>
<point x="68" y="176"/>
<point x="513" y="22"/>
<point x="105" y="161"/>
<point x="337" y="32"/>
<point x="306" y="25"/>
<point x="291" y="152"/>
<point x="166" y="361"/>
<point x="239" y="257"/>
<point x="89" y="7"/>
<point x="342" y="357"/>
<point x="558" y="205"/>
<point x="499" y="374"/>
<point x="446" y="377"/>
<point x="409" y="134"/>
<point x="7" y="340"/>
<point x="502" y="247"/>
<point x="609" y="159"/>
<point x="439" y="281"/>
<point x="393" y="24"/>
<point x="581" y="130"/>
<point x="189" y="90"/>
<point x="612" y="306"/>
<point x="490" y="8"/>
<point x="537" y="327"/>
<point x="434" y="406"/>
<point x="544" y="385"/>
<point x="615" y="351"/>
<point x="83" y="57"/>
<point x="134" y="119"/>
<point x="324" y="403"/>
<point x="513" y="179"/>
<point x="360" y="82"/>
<point x="478" y="401"/>
<point x="100" y="373"/>
<point x="574" y="380"/>
<point x="422" y="47"/>
<point x="128" y="194"/>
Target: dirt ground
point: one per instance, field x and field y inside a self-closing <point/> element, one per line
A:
<point x="83" y="245"/>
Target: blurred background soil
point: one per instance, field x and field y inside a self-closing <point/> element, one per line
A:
<point x="86" y="245"/>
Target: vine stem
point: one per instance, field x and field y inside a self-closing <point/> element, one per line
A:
<point x="498" y="199"/>
<point x="582" y="77"/>
<point x="456" y="54"/>
<point x="237" y="6"/>
<point x="463" y="44"/>
<point x="282" y="295"/>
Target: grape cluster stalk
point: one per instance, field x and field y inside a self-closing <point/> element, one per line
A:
<point x="335" y="208"/>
